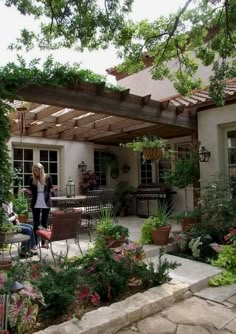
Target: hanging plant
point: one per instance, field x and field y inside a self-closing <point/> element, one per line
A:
<point x="152" y="147"/>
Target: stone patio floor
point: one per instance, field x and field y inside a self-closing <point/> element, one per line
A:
<point x="186" y="305"/>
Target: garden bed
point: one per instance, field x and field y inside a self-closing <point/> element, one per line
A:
<point x="52" y="294"/>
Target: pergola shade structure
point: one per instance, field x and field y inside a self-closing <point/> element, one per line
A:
<point x="93" y="113"/>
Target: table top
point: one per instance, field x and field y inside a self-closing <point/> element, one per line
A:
<point x="18" y="237"/>
<point x="64" y="198"/>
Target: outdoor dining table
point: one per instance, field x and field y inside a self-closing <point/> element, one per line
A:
<point x="68" y="202"/>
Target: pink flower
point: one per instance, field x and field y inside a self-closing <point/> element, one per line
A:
<point x="95" y="298"/>
<point x="117" y="257"/>
<point x="84" y="293"/>
<point x="216" y="247"/>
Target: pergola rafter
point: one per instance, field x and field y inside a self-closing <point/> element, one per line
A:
<point x="94" y="113"/>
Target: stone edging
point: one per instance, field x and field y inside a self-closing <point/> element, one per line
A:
<point x="108" y="320"/>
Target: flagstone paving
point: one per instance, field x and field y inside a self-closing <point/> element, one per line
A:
<point x="192" y="316"/>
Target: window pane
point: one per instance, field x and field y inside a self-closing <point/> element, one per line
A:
<point x="232" y="156"/>
<point x="54" y="180"/>
<point x="28" y="167"/>
<point x="99" y="171"/>
<point x="18" y="164"/>
<point x="43" y="155"/>
<point x="18" y="154"/>
<point x="53" y="156"/>
<point x="183" y="150"/>
<point x="231" y="139"/>
<point x="28" y="154"/>
<point x="45" y="165"/>
<point x="27" y="179"/>
<point x="53" y="168"/>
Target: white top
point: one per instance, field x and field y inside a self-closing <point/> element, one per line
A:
<point x="8" y="208"/>
<point x="40" y="203"/>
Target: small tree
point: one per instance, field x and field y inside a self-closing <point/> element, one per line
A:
<point x="186" y="172"/>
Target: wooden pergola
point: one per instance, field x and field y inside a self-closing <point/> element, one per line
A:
<point x="94" y="113"/>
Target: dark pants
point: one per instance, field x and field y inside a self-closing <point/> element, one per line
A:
<point x="36" y="217"/>
<point x="28" y="230"/>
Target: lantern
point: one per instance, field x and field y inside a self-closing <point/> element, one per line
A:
<point x="82" y="167"/>
<point x="70" y="188"/>
<point x="204" y="154"/>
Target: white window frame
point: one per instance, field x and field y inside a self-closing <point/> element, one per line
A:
<point x="36" y="155"/>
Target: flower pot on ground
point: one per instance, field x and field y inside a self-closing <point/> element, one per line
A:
<point x="152" y="147"/>
<point x="156" y="228"/>
<point x="187" y="219"/>
<point x="113" y="234"/>
<point x="160" y="236"/>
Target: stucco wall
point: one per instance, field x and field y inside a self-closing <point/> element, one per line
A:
<point x="72" y="153"/>
<point x="212" y="126"/>
<point x="141" y="83"/>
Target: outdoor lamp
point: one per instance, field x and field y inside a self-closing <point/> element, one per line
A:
<point x="70" y="188"/>
<point x="82" y="167"/>
<point x="204" y="154"/>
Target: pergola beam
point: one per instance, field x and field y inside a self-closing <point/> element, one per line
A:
<point x="83" y="100"/>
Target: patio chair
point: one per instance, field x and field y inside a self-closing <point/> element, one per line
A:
<point x="65" y="225"/>
<point x="90" y="212"/>
<point x="107" y="202"/>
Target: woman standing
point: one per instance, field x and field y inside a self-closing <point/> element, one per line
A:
<point x="40" y="187"/>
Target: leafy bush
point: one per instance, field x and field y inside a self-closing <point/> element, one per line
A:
<point x="226" y="260"/>
<point x="20" y="204"/>
<point x="218" y="209"/>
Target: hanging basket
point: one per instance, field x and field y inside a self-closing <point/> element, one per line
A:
<point x="153" y="153"/>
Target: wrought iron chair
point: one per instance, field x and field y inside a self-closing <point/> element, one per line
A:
<point x="90" y="212"/>
<point x="65" y="225"/>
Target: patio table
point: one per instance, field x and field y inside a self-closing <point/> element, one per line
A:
<point x="68" y="202"/>
<point x="17" y="239"/>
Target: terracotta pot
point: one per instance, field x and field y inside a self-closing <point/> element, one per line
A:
<point x="160" y="236"/>
<point x="113" y="243"/>
<point x="23" y="218"/>
<point x="152" y="153"/>
<point x="5" y="265"/>
<point x="187" y="223"/>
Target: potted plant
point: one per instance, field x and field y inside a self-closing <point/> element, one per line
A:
<point x="186" y="172"/>
<point x="113" y="234"/>
<point x="123" y="196"/>
<point x="21" y="207"/>
<point x="156" y="228"/>
<point x="152" y="147"/>
<point x="88" y="181"/>
<point x="7" y="229"/>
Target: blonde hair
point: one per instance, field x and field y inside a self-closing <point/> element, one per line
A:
<point x="42" y="176"/>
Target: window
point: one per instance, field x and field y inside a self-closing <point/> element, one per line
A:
<point x="163" y="166"/>
<point x="183" y="150"/>
<point x="23" y="159"/>
<point x="231" y="146"/>
<point x="146" y="171"/>
<point x="98" y="168"/>
<point x="49" y="159"/>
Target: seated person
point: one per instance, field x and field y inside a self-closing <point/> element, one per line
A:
<point x="28" y="247"/>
